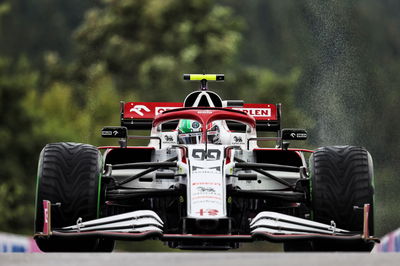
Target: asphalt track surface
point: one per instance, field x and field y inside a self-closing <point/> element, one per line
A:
<point x="201" y="259"/>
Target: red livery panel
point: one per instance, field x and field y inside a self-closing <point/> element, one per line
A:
<point x="148" y="110"/>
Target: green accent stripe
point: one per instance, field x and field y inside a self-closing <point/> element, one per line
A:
<point x="98" y="195"/>
<point x="37" y="183"/>
<point x="36" y="196"/>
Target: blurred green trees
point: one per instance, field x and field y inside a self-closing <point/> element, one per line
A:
<point x="147" y="45"/>
<point x="34" y="27"/>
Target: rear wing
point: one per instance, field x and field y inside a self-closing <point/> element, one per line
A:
<point x="140" y="115"/>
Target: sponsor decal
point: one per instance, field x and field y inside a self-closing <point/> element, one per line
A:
<point x="114" y="132"/>
<point x="256" y="112"/>
<point x="206" y="189"/>
<point x="206" y="184"/>
<point x="46" y="215"/>
<point x="301" y="135"/>
<point x="168" y="138"/>
<point x="107" y="133"/>
<point x="207" y="212"/>
<point x="160" y="110"/>
<point x="198" y="169"/>
<point x="195" y="124"/>
<point x="214" y="199"/>
<point x="138" y="109"/>
<point x="205" y="112"/>
<point x="238" y="139"/>
<point x="295" y="134"/>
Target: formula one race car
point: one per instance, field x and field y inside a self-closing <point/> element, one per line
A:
<point x="203" y="182"/>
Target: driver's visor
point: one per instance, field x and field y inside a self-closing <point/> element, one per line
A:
<point x="190" y="138"/>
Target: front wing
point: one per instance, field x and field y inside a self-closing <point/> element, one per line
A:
<point x="146" y="224"/>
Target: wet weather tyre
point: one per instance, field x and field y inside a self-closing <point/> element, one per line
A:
<point x="341" y="183"/>
<point x="68" y="173"/>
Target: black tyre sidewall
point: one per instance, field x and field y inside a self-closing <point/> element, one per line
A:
<point x="76" y="188"/>
<point x="337" y="186"/>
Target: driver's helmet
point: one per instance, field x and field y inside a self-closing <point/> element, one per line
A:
<point x="189" y="132"/>
<point x="213" y="133"/>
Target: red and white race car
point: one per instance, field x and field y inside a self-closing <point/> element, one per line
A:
<point x="203" y="182"/>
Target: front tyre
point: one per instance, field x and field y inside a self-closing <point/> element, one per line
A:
<point x="69" y="174"/>
<point x="341" y="183"/>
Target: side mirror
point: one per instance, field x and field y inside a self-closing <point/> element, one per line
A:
<point x="114" y="132"/>
<point x="294" y="134"/>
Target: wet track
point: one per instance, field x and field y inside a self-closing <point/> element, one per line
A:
<point x="202" y="259"/>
